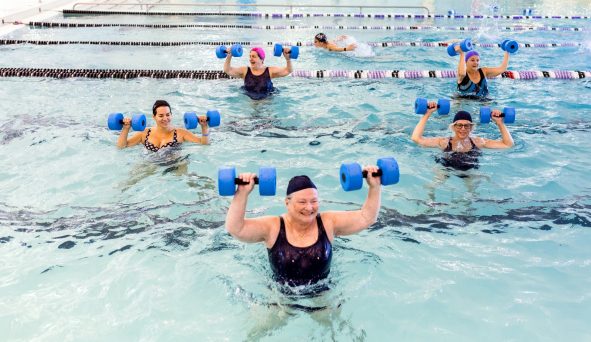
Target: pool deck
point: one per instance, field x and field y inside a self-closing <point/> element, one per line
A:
<point x="14" y="11"/>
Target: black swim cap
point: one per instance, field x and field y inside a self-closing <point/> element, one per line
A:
<point x="321" y="37"/>
<point x="298" y="183"/>
<point x="462" y="115"/>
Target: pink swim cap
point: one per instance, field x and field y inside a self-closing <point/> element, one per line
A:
<point x="259" y="52"/>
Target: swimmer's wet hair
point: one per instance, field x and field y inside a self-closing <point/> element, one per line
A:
<point x="159" y="103"/>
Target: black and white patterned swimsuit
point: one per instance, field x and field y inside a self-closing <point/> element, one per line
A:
<point x="154" y="148"/>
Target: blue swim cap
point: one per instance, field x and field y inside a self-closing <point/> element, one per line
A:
<point x="470" y="54"/>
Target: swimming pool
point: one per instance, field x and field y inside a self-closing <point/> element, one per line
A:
<point x="102" y="244"/>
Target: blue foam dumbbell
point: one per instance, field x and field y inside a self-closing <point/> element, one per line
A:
<point x="192" y="120"/>
<point x="351" y="174"/>
<point x="115" y="122"/>
<point x="421" y="106"/>
<point x="508" y="115"/>
<point x="465" y="45"/>
<point x="236" y="50"/>
<point x="266" y="179"/>
<point x="510" y="46"/>
<point x="294" y="51"/>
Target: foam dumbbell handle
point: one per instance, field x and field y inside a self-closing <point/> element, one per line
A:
<point x="221" y="52"/>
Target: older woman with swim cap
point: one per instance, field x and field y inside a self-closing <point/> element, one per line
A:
<point x="321" y="41"/>
<point x="299" y="242"/>
<point x="257" y="77"/>
<point x="162" y="135"/>
<point x="461" y="151"/>
<point x="471" y="78"/>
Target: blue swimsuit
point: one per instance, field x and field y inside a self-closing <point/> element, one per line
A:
<point x="467" y="87"/>
<point x="296" y="266"/>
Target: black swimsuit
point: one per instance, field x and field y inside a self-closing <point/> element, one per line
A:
<point x="296" y="266"/>
<point x="154" y="148"/>
<point x="462" y="161"/>
<point x="258" y="86"/>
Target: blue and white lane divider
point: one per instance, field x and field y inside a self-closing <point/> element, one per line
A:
<point x="332" y="74"/>
<point x="247" y="43"/>
<point x="267" y="15"/>
<point x="306" y="27"/>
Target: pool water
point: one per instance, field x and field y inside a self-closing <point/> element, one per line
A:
<point x="105" y="244"/>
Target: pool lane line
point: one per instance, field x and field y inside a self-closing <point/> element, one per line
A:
<point x="267" y="15"/>
<point x="250" y="43"/>
<point x="322" y="74"/>
<point x="305" y="27"/>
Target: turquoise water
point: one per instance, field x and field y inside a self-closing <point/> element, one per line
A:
<point x="102" y="244"/>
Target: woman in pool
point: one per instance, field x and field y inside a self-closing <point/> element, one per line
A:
<point x="257" y="76"/>
<point x="163" y="135"/>
<point x="461" y="151"/>
<point x="321" y="41"/>
<point x="471" y="77"/>
<point x="299" y="242"/>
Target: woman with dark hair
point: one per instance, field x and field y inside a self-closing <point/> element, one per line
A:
<point x="164" y="134"/>
<point x="321" y="41"/>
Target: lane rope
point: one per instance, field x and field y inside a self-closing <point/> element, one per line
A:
<point x="308" y="27"/>
<point x="252" y="43"/>
<point x="336" y="74"/>
<point x="267" y="15"/>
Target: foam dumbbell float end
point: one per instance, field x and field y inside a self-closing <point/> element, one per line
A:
<point x="390" y="173"/>
<point x="351" y="176"/>
<point x="115" y="121"/>
<point x="510" y="46"/>
<point x="220" y="51"/>
<point x="236" y="50"/>
<point x="267" y="181"/>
